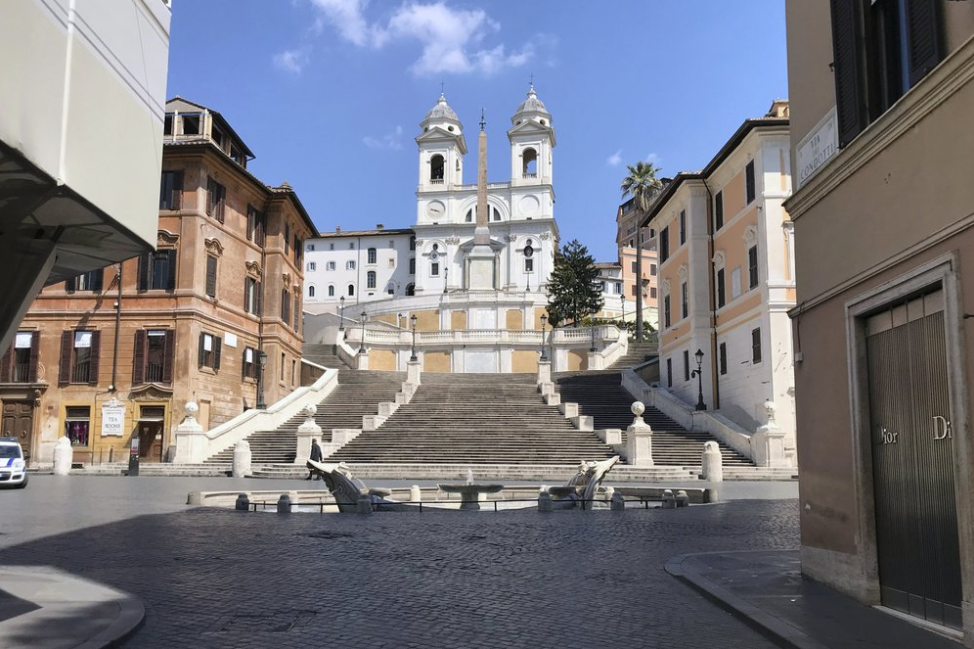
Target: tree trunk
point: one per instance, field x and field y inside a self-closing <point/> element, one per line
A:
<point x="639" y="276"/>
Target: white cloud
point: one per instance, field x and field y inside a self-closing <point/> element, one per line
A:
<point x="654" y="159"/>
<point x="391" y="141"/>
<point x="293" y="61"/>
<point x="450" y="38"/>
<point x="615" y="159"/>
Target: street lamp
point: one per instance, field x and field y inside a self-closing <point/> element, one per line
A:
<point x="341" y="318"/>
<point x="592" y="331"/>
<point x="262" y="361"/>
<point x="544" y="321"/>
<point x="412" y="321"/>
<point x="361" y="349"/>
<point x="622" y="298"/>
<point x="699" y="374"/>
<point x="446" y="278"/>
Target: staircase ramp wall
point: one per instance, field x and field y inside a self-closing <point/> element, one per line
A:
<point x="714" y="424"/>
<point x="196" y="446"/>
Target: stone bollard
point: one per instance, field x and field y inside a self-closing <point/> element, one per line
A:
<point x="682" y="499"/>
<point x="241" y="459"/>
<point x="63" y="454"/>
<point x="712" y="463"/>
<point x="284" y="504"/>
<point x="364" y="503"/>
<point x="618" y="502"/>
<point x="669" y="500"/>
<point x="415" y="494"/>
<point x="243" y="503"/>
<point x="609" y="492"/>
<point x="639" y="442"/>
<point x="544" y="502"/>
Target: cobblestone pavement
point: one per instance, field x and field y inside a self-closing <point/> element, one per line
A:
<point x="215" y="578"/>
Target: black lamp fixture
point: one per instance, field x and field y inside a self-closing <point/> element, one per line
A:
<point x="361" y="349"/>
<point x="699" y="374"/>
<point x="544" y="321"/>
<point x="446" y="278"/>
<point x="262" y="362"/>
<point x="341" y="317"/>
<point x="591" y="328"/>
<point x="622" y="299"/>
<point x="412" y="322"/>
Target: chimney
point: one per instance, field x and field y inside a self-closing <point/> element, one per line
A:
<point x="338" y="228"/>
<point x="379" y="226"/>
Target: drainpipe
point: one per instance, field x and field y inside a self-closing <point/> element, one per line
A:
<point x="118" y="324"/>
<point x="714" y="367"/>
<point x="260" y="311"/>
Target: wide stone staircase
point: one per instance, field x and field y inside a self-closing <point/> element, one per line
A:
<point x="637" y="354"/>
<point x="358" y="393"/>
<point x="475" y="419"/>
<point x="322" y="355"/>
<point x="599" y="394"/>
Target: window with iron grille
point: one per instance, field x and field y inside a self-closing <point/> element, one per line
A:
<point x="19" y="363"/>
<point x="79" y="357"/>
<point x="153" y="355"/>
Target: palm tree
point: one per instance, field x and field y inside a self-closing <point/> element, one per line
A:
<point x="643" y="185"/>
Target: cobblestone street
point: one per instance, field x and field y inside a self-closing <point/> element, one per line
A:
<point x="214" y="578"/>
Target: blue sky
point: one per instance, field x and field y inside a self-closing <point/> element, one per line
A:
<point x="329" y="93"/>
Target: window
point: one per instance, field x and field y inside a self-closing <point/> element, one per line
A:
<point x="882" y="48"/>
<point x="664" y="244"/>
<point x="752" y="267"/>
<point x="256" y="226"/>
<point x="79" y="357"/>
<point x="297" y="247"/>
<point x="330" y="265"/>
<point x="311" y="291"/>
<point x="685" y="301"/>
<point x="652" y="292"/>
<point x="370" y="279"/>
<point x="529" y="161"/>
<point x="632" y="290"/>
<point x="77" y="424"/>
<point x="392" y="263"/>
<point x="412" y="243"/>
<point x="351" y="290"/>
<point x="372" y="255"/>
<point x="311" y="247"/>
<point x="167" y="124"/>
<point x="287" y="238"/>
<point x="718" y="211"/>
<point x="722" y="354"/>
<point x="410" y="289"/>
<point x="283" y="361"/>
<point x="686" y="365"/>
<point x="157" y="271"/>
<point x="392" y="244"/>
<point x="683" y="227"/>
<point x="529" y="265"/>
<point x="216" y="198"/>
<point x="434" y="269"/>
<point x="312" y="266"/>
<point x="171" y="190"/>
<point x="211" y="275"/>
<point x="391" y="289"/>
<point x="617" y="288"/>
<point x="296" y="324"/>
<point x="331" y="246"/>
<point x="350" y="264"/>
<point x="749" y="190"/>
<point x="756" y="345"/>
<point x="497" y="214"/>
<point x="634" y="266"/>
<point x="285" y="306"/>
<point x="191" y="125"/>
<point x="19" y="364"/>
<point x="652" y="270"/>
<point x="294" y="368"/>
<point x="604" y="286"/>
<point x="209" y="351"/>
<point x="669" y="372"/>
<point x="469" y="216"/>
<point x="721" y="291"/>
<point x="331" y="290"/>
<point x="436" y="169"/>
<point x="250" y="363"/>
<point x="252" y="295"/>
<point x="153" y="356"/>
<point x="90" y="281"/>
<point x="666" y="310"/>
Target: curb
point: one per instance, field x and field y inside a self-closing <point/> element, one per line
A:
<point x="771" y="626"/>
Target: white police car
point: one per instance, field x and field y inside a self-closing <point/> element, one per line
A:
<point x="13" y="469"/>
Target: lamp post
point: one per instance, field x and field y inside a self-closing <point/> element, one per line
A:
<point x="361" y="349"/>
<point x="699" y="374"/>
<point x="544" y="321"/>
<point x="412" y="322"/>
<point x="592" y="331"/>
<point x="622" y="299"/>
<point x="341" y="318"/>
<point x="446" y="278"/>
<point x="262" y="361"/>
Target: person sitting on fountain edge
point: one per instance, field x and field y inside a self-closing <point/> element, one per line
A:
<point x="315" y="457"/>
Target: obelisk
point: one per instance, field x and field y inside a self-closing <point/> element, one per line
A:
<point x="481" y="258"/>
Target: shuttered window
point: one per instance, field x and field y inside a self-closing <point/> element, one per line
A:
<point x="210" y="347"/>
<point x="19" y="363"/>
<point x="664" y="245"/>
<point x="752" y="267"/>
<point x="90" y="281"/>
<point x="721" y="289"/>
<point x="171" y="190"/>
<point x="285" y="306"/>
<point x="252" y="294"/>
<point x="157" y="271"/>
<point x="211" y="275"/>
<point x="216" y="198"/>
<point x="749" y="188"/>
<point x="153" y="356"/>
<point x="80" y="352"/>
<point x="722" y="354"/>
<point x="756" y="345"/>
<point x="718" y="211"/>
<point x="666" y="309"/>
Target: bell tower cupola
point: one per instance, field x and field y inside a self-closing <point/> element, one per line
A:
<point x="441" y="148"/>
<point x="532" y="138"/>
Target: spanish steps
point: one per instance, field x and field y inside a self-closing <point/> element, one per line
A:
<point x="475" y="419"/>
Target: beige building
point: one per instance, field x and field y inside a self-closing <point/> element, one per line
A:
<point x="882" y="144"/>
<point x="115" y="353"/>
<point x="727" y="281"/>
<point x="626" y="244"/>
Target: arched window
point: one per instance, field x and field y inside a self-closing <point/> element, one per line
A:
<point x="311" y="291"/>
<point x="436" y="169"/>
<point x="412" y="243"/>
<point x="530" y="163"/>
<point x="351" y="289"/>
<point x="497" y="214"/>
<point x="469" y="217"/>
<point x="410" y="289"/>
<point x="370" y="279"/>
<point x="391" y="289"/>
<point x="371" y="255"/>
<point x="331" y="291"/>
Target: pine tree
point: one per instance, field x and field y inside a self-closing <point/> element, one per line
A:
<point x="574" y="290"/>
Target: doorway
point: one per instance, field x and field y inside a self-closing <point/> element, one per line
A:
<point x="18" y="421"/>
<point x="913" y="460"/>
<point x="150" y="430"/>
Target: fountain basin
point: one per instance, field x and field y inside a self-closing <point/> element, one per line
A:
<point x="470" y="494"/>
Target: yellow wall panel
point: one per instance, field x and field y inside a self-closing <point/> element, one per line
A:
<point x="436" y="362"/>
<point x="524" y="361"/>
